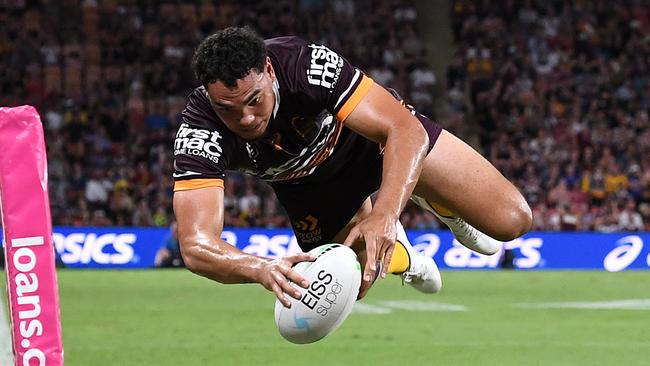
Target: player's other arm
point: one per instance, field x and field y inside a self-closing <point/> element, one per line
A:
<point x="199" y="213"/>
<point x="381" y="118"/>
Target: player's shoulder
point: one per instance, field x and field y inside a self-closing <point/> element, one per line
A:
<point x="285" y="44"/>
<point x="199" y="99"/>
<point x="296" y="49"/>
<point x="302" y="65"/>
<point x="289" y="56"/>
<point x="198" y="109"/>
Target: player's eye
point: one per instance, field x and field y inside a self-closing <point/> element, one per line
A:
<point x="255" y="101"/>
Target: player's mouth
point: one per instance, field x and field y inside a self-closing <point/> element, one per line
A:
<point x="252" y="128"/>
<point x="256" y="130"/>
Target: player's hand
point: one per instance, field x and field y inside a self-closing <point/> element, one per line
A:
<point x="277" y="275"/>
<point x="377" y="231"/>
<point x="365" y="285"/>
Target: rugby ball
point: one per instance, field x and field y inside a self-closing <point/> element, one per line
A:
<point x="334" y="279"/>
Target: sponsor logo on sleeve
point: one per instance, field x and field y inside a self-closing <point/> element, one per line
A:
<point x="198" y="142"/>
<point x="325" y="67"/>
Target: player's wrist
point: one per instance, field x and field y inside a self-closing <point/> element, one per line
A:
<point x="259" y="269"/>
<point x="389" y="214"/>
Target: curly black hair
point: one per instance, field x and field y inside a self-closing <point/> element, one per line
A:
<point x="229" y="55"/>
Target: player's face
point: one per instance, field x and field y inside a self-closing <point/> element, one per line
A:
<point x="246" y="108"/>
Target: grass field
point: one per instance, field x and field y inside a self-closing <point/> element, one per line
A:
<point x="173" y="317"/>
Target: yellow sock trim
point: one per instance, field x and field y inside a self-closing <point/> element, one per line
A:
<point x="441" y="209"/>
<point x="400" y="261"/>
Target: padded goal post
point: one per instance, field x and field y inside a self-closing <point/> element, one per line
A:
<point x="32" y="290"/>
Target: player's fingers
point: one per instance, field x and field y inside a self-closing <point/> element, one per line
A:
<point x="387" y="258"/>
<point x="295" y="277"/>
<point x="352" y="237"/>
<point x="363" y="289"/>
<point x="378" y="266"/>
<point x="288" y="263"/>
<point x="371" y="259"/>
<point x="275" y="287"/>
<point x="286" y="285"/>
<point x="300" y="257"/>
<point x="366" y="285"/>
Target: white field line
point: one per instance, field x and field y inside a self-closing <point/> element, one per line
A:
<point x="632" y="304"/>
<point x="414" y="305"/>
<point x="360" y="308"/>
<point x="6" y="357"/>
<point x="386" y="307"/>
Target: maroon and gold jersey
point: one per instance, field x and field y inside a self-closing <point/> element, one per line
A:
<point x="320" y="171"/>
<point x="316" y="90"/>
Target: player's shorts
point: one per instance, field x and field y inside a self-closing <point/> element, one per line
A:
<point x="323" y="203"/>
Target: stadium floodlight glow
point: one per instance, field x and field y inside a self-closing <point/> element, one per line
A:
<point x="29" y="253"/>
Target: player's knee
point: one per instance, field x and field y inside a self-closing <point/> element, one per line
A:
<point x="515" y="222"/>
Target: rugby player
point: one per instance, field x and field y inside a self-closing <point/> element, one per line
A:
<point x="326" y="137"/>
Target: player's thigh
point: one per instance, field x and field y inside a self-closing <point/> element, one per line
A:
<point x="459" y="178"/>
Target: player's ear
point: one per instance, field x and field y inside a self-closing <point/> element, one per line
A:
<point x="269" y="68"/>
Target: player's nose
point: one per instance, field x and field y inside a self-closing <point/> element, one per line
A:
<point x="247" y="119"/>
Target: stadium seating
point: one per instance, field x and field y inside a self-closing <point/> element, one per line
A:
<point x="574" y="141"/>
<point x="561" y="105"/>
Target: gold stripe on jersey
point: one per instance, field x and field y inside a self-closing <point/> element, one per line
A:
<point x="186" y="185"/>
<point x="355" y="98"/>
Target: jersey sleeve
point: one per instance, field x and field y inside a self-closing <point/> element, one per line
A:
<point x="201" y="148"/>
<point x="328" y="79"/>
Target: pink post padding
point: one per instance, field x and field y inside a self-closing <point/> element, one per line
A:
<point x="29" y="253"/>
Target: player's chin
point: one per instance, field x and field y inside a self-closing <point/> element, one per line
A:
<point x="250" y="135"/>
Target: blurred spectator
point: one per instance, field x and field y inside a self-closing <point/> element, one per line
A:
<point x="111" y="86"/>
<point x="169" y="255"/>
<point x="97" y="189"/>
<point x="629" y="219"/>
<point x="142" y="215"/>
<point x="560" y="91"/>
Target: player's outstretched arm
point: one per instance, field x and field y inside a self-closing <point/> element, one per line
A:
<point x="199" y="213"/>
<point x="381" y="118"/>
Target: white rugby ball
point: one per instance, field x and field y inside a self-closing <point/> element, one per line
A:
<point x="334" y="279"/>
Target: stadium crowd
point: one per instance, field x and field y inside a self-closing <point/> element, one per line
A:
<point x="561" y="92"/>
<point x="559" y="89"/>
<point x="111" y="84"/>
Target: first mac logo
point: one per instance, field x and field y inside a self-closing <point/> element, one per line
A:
<point x="198" y="142"/>
<point x="325" y="67"/>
